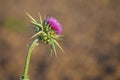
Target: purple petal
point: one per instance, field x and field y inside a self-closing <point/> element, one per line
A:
<point x="54" y="24"/>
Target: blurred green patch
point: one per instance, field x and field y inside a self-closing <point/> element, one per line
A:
<point x="15" y="24"/>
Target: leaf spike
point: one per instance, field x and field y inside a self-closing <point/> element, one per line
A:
<point x="30" y="17"/>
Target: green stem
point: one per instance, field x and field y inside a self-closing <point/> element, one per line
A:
<point x="26" y="66"/>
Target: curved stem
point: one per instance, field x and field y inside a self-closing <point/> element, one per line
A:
<point x="26" y="66"/>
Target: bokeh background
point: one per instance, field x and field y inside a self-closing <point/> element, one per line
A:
<point x="91" y="40"/>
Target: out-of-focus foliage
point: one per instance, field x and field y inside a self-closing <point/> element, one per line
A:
<point x="14" y="24"/>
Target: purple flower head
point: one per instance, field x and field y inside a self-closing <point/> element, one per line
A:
<point x="54" y="24"/>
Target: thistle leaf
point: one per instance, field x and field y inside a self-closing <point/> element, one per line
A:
<point x="58" y="45"/>
<point x="37" y="34"/>
<point x="40" y="18"/>
<point x="51" y="52"/>
<point x="59" y="35"/>
<point x="37" y="24"/>
<point x="53" y="47"/>
<point x="33" y="20"/>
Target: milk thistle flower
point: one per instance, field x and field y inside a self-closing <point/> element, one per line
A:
<point x="54" y="24"/>
<point x="47" y="30"/>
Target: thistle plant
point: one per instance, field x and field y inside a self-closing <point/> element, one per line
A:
<point x="47" y="30"/>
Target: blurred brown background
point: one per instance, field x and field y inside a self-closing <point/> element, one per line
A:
<point x="91" y="30"/>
